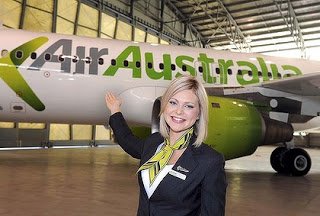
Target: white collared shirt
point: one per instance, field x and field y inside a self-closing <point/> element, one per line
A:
<point x="146" y="180"/>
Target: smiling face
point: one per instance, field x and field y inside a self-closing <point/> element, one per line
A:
<point x="181" y="112"/>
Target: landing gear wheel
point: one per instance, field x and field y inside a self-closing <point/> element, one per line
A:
<point x="297" y="161"/>
<point x="276" y="159"/>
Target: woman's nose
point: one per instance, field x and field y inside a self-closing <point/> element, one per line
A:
<point x="179" y="110"/>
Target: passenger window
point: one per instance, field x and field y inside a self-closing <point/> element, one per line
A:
<point x="269" y="74"/>
<point x="239" y="72"/>
<point x="161" y="66"/>
<point x="229" y="71"/>
<point x="173" y="66"/>
<point x="184" y="68"/>
<point x="4" y="53"/>
<point x="217" y="70"/>
<point x="138" y="64"/>
<point x="100" y="61"/>
<point x="75" y="59"/>
<point x="87" y="60"/>
<point x="19" y="54"/>
<point x="47" y="57"/>
<point x="33" y="55"/>
<point x="113" y="62"/>
<point x="61" y="58"/>
<point x="200" y="69"/>
<point x="149" y="65"/>
<point x="259" y="74"/>
<point x="250" y="73"/>
<point x="279" y="75"/>
<point x="125" y="63"/>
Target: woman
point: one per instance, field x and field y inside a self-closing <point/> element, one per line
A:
<point x="179" y="175"/>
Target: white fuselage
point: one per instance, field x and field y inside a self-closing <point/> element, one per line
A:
<point x="73" y="90"/>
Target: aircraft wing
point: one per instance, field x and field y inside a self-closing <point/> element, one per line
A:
<point x="306" y="85"/>
<point x="298" y="96"/>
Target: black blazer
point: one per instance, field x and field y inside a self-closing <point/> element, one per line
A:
<point x="201" y="193"/>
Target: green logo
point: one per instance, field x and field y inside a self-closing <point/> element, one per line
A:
<point x="10" y="74"/>
<point x="214" y="70"/>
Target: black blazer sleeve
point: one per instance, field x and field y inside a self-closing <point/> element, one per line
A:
<point x="125" y="138"/>
<point x="213" y="189"/>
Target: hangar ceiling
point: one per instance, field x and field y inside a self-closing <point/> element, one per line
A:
<point x="277" y="27"/>
<point x="263" y="26"/>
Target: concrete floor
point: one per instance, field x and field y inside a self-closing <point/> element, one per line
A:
<point x="102" y="181"/>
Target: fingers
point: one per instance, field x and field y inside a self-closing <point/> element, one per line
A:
<point x="111" y="98"/>
<point x="113" y="102"/>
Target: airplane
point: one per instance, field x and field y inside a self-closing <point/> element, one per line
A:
<point x="253" y="99"/>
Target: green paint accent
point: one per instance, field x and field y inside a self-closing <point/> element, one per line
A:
<point x="136" y="57"/>
<point x="235" y="129"/>
<point x="253" y="68"/>
<point x="223" y="67"/>
<point x="181" y="60"/>
<point x="141" y="132"/>
<point x="152" y="73"/>
<point x="10" y="74"/>
<point x="206" y="62"/>
<point x="296" y="70"/>
<point x="27" y="49"/>
<point x="264" y="69"/>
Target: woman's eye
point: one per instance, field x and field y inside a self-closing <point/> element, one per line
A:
<point x="172" y="102"/>
<point x="189" y="106"/>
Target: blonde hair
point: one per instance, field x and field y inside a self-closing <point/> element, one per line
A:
<point x="187" y="82"/>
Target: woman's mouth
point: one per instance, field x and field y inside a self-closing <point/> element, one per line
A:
<point x="177" y="120"/>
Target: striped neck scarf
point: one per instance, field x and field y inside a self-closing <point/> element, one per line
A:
<point x="156" y="163"/>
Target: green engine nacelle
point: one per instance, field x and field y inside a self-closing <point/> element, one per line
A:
<point x="141" y="131"/>
<point x="235" y="127"/>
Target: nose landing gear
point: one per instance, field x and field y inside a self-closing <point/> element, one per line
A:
<point x="295" y="162"/>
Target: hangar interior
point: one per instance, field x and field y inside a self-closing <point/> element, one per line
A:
<point x="274" y="27"/>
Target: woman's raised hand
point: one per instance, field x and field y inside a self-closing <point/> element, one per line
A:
<point x="113" y="103"/>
